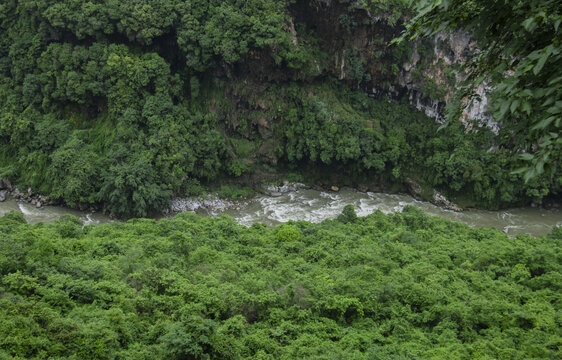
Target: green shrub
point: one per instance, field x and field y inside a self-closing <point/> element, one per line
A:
<point x="234" y="192"/>
<point x="348" y="214"/>
<point x="193" y="188"/>
<point x="288" y="233"/>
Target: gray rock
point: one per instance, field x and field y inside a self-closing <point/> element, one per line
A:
<point x="3" y="195"/>
<point x="38" y="205"/>
<point x="278" y="190"/>
<point x="5" y="184"/>
<point x="440" y="200"/>
<point x="362" y="188"/>
<point x="16" y="193"/>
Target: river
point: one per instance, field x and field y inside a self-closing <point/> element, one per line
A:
<point x="315" y="206"/>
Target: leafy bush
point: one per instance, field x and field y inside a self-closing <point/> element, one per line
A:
<point x="234" y="192"/>
<point x="288" y="233"/>
<point x="193" y="188"/>
<point x="348" y="214"/>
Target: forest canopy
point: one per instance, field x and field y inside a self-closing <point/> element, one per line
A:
<point x="376" y="287"/>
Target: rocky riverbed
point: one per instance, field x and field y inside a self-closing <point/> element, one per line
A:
<point x="8" y="191"/>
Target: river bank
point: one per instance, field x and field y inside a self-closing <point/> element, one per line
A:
<point x="298" y="202"/>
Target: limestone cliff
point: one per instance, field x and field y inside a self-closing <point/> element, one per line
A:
<point x="426" y="72"/>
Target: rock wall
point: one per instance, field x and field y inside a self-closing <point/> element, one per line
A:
<point x="426" y="72"/>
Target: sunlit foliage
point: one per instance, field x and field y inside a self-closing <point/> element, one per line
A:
<point x="378" y="287"/>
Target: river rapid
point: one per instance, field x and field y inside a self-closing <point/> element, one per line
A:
<point x="315" y="206"/>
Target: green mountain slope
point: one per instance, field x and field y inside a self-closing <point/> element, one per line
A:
<point x="124" y="104"/>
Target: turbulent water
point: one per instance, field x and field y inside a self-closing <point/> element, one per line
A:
<point x="315" y="206"/>
<point x="49" y="213"/>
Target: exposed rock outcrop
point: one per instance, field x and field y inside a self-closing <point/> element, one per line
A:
<point x="287" y="187"/>
<point x="440" y="200"/>
<point x="426" y="72"/>
<point x="417" y="191"/>
<point x="5" y="184"/>
<point x="28" y="196"/>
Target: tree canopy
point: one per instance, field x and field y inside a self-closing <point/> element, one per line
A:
<point x="376" y="287"/>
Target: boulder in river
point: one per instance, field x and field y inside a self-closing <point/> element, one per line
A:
<point x="3" y="195"/>
<point x="335" y="188"/>
<point x="440" y="200"/>
<point x="362" y="188"/>
<point x="16" y="193"/>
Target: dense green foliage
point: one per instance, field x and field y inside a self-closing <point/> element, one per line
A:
<point x="379" y="287"/>
<point x="521" y="43"/>
<point x="127" y="103"/>
<point x="339" y="127"/>
<point x="124" y="104"/>
<point x="91" y="109"/>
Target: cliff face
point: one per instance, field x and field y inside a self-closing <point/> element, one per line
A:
<point x="350" y="44"/>
<point x="425" y="72"/>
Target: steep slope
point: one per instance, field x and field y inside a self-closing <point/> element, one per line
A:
<point x="123" y="104"/>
